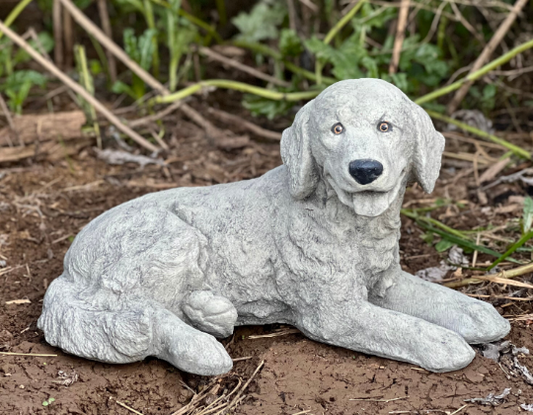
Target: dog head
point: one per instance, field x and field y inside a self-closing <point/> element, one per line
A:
<point x="364" y="137"/>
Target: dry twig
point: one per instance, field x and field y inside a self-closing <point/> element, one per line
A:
<point x="99" y="35"/>
<point x="211" y="54"/>
<point x="10" y="122"/>
<point x="128" y="408"/>
<point x="501" y="278"/>
<point x="253" y="128"/>
<point x="58" y="33"/>
<point x="278" y="333"/>
<point x="155" y="117"/>
<point x="106" y="26"/>
<point x="95" y="31"/>
<point x="21" y="301"/>
<point x="77" y="88"/>
<point x="400" y="35"/>
<point x="27" y="354"/>
<point x="378" y="400"/>
<point x="487" y="51"/>
<point x="236" y="399"/>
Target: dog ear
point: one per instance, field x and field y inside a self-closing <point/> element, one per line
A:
<point x="429" y="146"/>
<point x="296" y="155"/>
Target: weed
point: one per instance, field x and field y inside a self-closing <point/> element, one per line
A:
<point x="48" y="402"/>
<point x="140" y="49"/>
<point x="17" y="87"/>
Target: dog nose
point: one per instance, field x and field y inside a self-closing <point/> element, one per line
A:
<point x="365" y="171"/>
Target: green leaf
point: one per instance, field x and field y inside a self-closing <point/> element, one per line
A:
<point x="262" y="106"/>
<point x="443" y="245"/>
<point x="371" y="16"/>
<point x="82" y="4"/>
<point x="128" y="6"/>
<point x="399" y="79"/>
<point x="95" y="67"/>
<point x="262" y="21"/>
<point x="489" y="91"/>
<point x="463" y="243"/>
<point x="17" y="79"/>
<point x="428" y="238"/>
<point x="324" y="53"/>
<point x="46" y="42"/>
<point x="526" y="237"/>
<point x="528" y="215"/>
<point x="120" y="87"/>
<point x="130" y="44"/>
<point x="17" y="87"/>
<point x="289" y="43"/>
<point x="146" y="48"/>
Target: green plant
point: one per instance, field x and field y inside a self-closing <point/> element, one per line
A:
<point x="86" y="80"/>
<point x="140" y="49"/>
<point x="262" y="22"/>
<point x="8" y="60"/>
<point x="180" y="34"/>
<point x="343" y="52"/>
<point x="48" y="401"/>
<point x="17" y="87"/>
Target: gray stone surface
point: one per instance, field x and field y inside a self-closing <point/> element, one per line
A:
<point x="305" y="244"/>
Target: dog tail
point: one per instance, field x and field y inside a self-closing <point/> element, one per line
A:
<point x="74" y="321"/>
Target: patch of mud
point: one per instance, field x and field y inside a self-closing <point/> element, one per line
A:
<point x="43" y="206"/>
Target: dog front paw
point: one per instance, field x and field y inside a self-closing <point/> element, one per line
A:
<point x="479" y="322"/>
<point x="445" y="351"/>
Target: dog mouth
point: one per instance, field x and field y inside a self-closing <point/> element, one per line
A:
<point x="370" y="203"/>
<point x="373" y="203"/>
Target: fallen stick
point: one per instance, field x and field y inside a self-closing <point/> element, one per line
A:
<point x="52" y="150"/>
<point x="9" y="118"/>
<point x="21" y="301"/>
<point x="58" y="33"/>
<point x="27" y="354"/>
<point x="487" y="51"/>
<point x="505" y="281"/>
<point x="128" y="408"/>
<point x="275" y="334"/>
<point x="227" y="117"/>
<point x="110" y="45"/>
<point x="400" y="35"/>
<point x="241" y="67"/>
<point x="99" y="35"/>
<point x="519" y="151"/>
<point x="155" y="117"/>
<point x="76" y="88"/>
<point x="236" y="399"/>
<point x="500" y="297"/>
<point x="106" y="26"/>
<point x="504" y="275"/>
<point x="240" y="359"/>
<point x="60" y="125"/>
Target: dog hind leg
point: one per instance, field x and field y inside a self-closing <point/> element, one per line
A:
<point x="127" y="335"/>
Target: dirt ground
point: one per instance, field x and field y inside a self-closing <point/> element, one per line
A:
<point x="43" y="206"/>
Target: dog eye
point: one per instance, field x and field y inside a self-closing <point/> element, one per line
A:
<point x="337" y="129"/>
<point x="384" y="127"/>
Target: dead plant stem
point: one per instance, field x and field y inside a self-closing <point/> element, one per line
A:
<point x="400" y="35"/>
<point x="54" y="70"/>
<point x="106" y="26"/>
<point x="487" y="51"/>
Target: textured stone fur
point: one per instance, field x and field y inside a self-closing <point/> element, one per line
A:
<point x="305" y="244"/>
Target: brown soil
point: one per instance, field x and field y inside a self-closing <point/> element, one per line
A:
<point x="43" y="206"/>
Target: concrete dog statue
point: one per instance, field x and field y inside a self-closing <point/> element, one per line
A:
<point x="312" y="243"/>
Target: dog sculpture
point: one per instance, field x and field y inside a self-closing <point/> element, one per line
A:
<point x="312" y="243"/>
